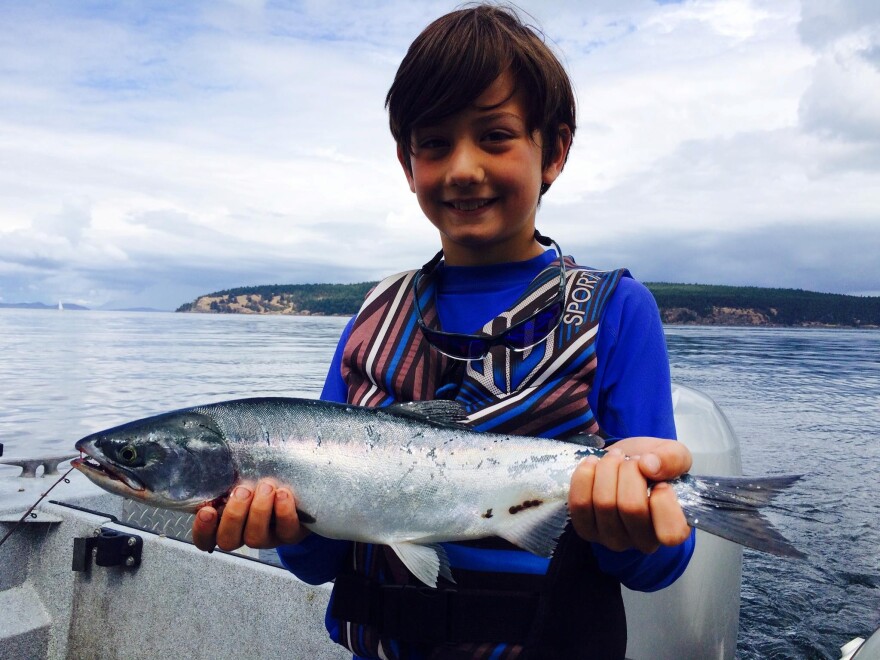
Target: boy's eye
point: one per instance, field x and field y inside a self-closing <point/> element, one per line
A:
<point x="497" y="136"/>
<point x="431" y="143"/>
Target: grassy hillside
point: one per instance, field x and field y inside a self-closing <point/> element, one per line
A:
<point x="320" y="299"/>
<point x="700" y="304"/>
<point x="697" y="303"/>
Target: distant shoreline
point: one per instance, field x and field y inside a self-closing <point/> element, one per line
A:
<point x="679" y="304"/>
<point x="73" y="307"/>
<point x="679" y="324"/>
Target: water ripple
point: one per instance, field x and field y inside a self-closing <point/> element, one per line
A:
<point x="802" y="401"/>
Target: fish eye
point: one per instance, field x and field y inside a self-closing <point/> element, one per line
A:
<point x="128" y="453"/>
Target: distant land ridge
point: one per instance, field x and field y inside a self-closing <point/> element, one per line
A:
<point x="680" y="304"/>
<point x="298" y="299"/>
<point x="39" y="305"/>
<point x="76" y="308"/>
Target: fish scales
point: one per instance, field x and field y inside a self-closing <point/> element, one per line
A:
<point x="408" y="476"/>
<point x="364" y="464"/>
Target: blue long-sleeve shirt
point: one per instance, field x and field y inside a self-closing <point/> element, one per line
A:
<point x="630" y="397"/>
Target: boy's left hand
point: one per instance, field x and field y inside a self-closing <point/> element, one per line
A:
<point x="609" y="502"/>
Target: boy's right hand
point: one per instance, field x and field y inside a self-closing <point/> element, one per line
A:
<point x="259" y="517"/>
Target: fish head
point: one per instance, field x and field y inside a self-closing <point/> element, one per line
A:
<point x="178" y="460"/>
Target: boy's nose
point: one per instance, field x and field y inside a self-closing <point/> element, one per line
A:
<point x="465" y="167"/>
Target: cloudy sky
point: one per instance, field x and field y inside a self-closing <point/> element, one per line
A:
<point x="151" y="152"/>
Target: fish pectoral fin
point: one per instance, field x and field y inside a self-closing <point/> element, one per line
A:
<point x="426" y="562"/>
<point x="534" y="525"/>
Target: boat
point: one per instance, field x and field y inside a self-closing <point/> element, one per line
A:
<point x="60" y="306"/>
<point x="92" y="575"/>
<point x="861" y="648"/>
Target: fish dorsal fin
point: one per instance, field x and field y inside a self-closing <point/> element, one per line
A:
<point x="533" y="525"/>
<point x="439" y="411"/>
<point x="426" y="562"/>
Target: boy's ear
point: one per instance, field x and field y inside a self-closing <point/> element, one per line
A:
<point x="560" y="155"/>
<point x="407" y="168"/>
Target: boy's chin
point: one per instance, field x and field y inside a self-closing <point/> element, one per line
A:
<point x="482" y="245"/>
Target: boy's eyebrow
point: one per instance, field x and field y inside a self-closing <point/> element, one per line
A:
<point x="500" y="115"/>
<point x="481" y="119"/>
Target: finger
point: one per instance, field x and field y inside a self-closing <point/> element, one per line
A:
<point x="257" y="529"/>
<point x="580" y="499"/>
<point x="610" y="530"/>
<point x="670" y="524"/>
<point x="232" y="522"/>
<point x="204" y="529"/>
<point x="666" y="460"/>
<point x="633" y="507"/>
<point x="287" y="525"/>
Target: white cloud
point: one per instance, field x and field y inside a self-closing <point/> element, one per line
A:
<point x="844" y="98"/>
<point x="152" y="154"/>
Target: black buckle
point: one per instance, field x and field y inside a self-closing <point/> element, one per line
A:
<point x="108" y="548"/>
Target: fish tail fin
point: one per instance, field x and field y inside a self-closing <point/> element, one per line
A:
<point x="729" y="507"/>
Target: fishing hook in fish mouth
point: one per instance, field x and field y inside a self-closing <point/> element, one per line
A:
<point x="87" y="464"/>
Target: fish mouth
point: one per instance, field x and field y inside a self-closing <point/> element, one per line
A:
<point x="103" y="473"/>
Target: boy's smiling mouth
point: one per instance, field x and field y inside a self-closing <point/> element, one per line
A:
<point x="468" y="204"/>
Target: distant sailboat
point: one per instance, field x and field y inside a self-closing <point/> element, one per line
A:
<point x="60" y="306"/>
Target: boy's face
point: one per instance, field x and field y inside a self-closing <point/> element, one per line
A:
<point x="478" y="175"/>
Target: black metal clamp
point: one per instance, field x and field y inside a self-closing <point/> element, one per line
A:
<point x="108" y="547"/>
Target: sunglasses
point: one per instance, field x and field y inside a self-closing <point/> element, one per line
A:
<point x="521" y="336"/>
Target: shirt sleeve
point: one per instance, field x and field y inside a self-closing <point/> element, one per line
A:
<point x="317" y="559"/>
<point x="632" y="389"/>
<point x="632" y="396"/>
<point x="334" y="386"/>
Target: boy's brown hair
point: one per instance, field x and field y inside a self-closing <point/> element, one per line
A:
<point x="459" y="55"/>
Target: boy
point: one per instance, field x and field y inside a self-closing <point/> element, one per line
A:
<point x="483" y="116"/>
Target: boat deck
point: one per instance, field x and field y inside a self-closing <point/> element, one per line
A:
<point x="180" y="602"/>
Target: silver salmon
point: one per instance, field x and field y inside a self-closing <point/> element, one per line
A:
<point x="407" y="476"/>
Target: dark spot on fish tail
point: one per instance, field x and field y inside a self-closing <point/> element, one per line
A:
<point x="305" y="518"/>
<point x="488" y="513"/>
<point x="528" y="504"/>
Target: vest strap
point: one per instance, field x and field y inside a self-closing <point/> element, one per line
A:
<point x="415" y="614"/>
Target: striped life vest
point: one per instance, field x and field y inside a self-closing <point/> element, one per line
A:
<point x="541" y="392"/>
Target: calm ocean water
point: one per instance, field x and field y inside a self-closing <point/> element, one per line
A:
<point x="804" y="400"/>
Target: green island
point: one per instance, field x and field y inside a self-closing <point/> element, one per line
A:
<point x="680" y="304"/>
